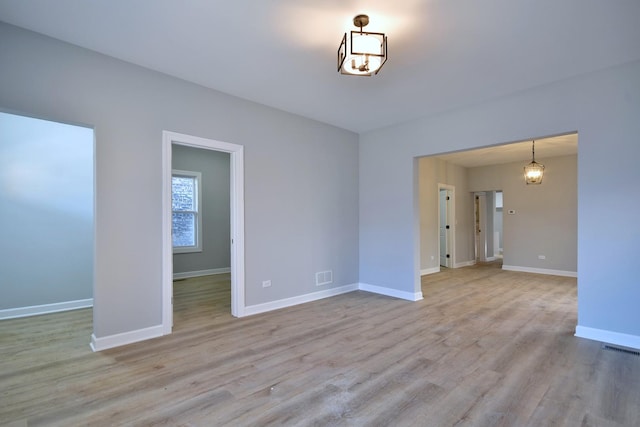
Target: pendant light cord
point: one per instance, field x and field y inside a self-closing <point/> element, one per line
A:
<point x="533" y="151"/>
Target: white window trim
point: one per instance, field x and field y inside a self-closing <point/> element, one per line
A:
<point x="198" y="212"/>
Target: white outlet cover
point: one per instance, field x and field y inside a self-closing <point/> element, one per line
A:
<point x="266" y="283"/>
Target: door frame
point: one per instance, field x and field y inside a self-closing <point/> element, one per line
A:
<point x="236" y="153"/>
<point x="451" y="220"/>
<point x="480" y="222"/>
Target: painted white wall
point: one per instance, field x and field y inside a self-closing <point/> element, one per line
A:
<point x="46" y="212"/>
<point x="603" y="107"/>
<point x="215" y="209"/>
<point x="545" y="222"/>
<point x="301" y="176"/>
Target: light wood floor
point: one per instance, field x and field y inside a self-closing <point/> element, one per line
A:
<point x="485" y="348"/>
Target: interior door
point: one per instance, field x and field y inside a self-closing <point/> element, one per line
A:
<point x="445" y="201"/>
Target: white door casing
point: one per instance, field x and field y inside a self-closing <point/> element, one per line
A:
<point x="236" y="153"/>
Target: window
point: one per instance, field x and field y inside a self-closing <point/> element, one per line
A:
<point x="185" y="202"/>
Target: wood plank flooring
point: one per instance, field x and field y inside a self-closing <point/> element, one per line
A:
<point x="485" y="347"/>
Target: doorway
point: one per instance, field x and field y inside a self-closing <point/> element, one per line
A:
<point x="488" y="230"/>
<point x="446" y="222"/>
<point x="498" y="231"/>
<point x="236" y="153"/>
<point x="480" y="225"/>
<point x="46" y="216"/>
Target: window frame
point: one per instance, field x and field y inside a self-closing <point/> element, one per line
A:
<point x="197" y="176"/>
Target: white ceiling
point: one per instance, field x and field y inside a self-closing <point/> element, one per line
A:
<point x="443" y="54"/>
<point x="556" y="146"/>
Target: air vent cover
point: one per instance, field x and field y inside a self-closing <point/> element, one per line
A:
<point x="621" y="349"/>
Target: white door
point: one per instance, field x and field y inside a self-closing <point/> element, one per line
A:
<point x="445" y="200"/>
<point x="446" y="220"/>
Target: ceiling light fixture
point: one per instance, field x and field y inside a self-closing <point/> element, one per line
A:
<point x="362" y="53"/>
<point x="534" y="171"/>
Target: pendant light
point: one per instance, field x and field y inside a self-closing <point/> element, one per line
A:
<point x="362" y="53"/>
<point x="534" y="171"/>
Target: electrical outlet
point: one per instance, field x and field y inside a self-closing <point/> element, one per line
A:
<point x="542" y="257"/>
<point x="266" y="283"/>
<point x="432" y="257"/>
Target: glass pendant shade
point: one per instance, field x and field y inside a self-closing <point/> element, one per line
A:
<point x="365" y="58"/>
<point x="534" y="171"/>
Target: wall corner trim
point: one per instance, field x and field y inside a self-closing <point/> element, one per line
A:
<point x="609" y="337"/>
<point x="415" y="296"/>
<point x="431" y="270"/>
<point x="35" y="310"/>
<point x="540" y="271"/>
<point x="117" y="340"/>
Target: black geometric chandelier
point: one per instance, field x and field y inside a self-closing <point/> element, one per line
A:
<point x="362" y="53"/>
<point x="534" y="171"/>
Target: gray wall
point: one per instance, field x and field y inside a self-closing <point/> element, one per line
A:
<point x="301" y="176"/>
<point x="46" y="212"/>
<point x="545" y="222"/>
<point x="433" y="171"/>
<point x="215" y="209"/>
<point x="603" y="107"/>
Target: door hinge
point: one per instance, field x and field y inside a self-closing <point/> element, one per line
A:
<point x="448" y="198"/>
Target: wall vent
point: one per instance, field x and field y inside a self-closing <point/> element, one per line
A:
<point x="324" y="277"/>
<point x="621" y="349"/>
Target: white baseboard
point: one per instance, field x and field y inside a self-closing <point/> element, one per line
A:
<point x="35" y="310"/>
<point x="288" y="302"/>
<point x="417" y="296"/>
<point x="491" y="258"/>
<point x="430" y="271"/>
<point x="314" y="296"/>
<point x="200" y="273"/>
<point x="104" y="343"/>
<point x="540" y="271"/>
<point x="464" y="264"/>
<point x="609" y="337"/>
